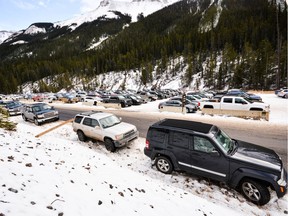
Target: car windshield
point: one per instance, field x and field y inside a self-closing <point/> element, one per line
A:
<point x="46" y="107"/>
<point x="225" y="142"/>
<point x="109" y="121"/>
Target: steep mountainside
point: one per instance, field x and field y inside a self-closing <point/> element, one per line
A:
<point x="239" y="43"/>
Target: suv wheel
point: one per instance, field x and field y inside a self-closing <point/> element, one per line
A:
<point x="255" y="192"/>
<point x="81" y="136"/>
<point x="109" y="145"/>
<point x="164" y="165"/>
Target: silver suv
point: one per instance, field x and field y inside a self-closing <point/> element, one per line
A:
<point x="105" y="127"/>
<point x="39" y="113"/>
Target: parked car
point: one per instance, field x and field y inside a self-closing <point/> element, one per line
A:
<point x="13" y="107"/>
<point x="187" y="100"/>
<point x="207" y="151"/>
<point x="238" y="92"/>
<point x="135" y="100"/>
<point x="283" y="93"/>
<point x="39" y="113"/>
<point x="190" y="108"/>
<point x="148" y="96"/>
<point x="125" y="102"/>
<point x="92" y="99"/>
<point x="105" y="127"/>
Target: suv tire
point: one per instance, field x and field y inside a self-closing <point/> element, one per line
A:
<point x="81" y="136"/>
<point x="164" y="165"/>
<point x="255" y="192"/>
<point x="109" y="145"/>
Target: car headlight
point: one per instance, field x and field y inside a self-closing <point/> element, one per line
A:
<point x="118" y="137"/>
<point x="56" y="112"/>
<point x="40" y="116"/>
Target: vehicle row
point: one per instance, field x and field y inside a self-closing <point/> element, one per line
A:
<point x="194" y="147"/>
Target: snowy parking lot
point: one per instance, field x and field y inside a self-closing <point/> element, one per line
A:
<point x="56" y="174"/>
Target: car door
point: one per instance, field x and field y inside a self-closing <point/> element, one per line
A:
<point x="241" y="104"/>
<point x="91" y="128"/>
<point x="207" y="160"/>
<point x="179" y="144"/>
<point x="29" y="113"/>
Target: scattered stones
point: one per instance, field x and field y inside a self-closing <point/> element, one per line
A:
<point x="13" y="190"/>
<point x="28" y="165"/>
<point x="100" y="202"/>
<point x="49" y="207"/>
<point x="121" y="194"/>
<point x="33" y="203"/>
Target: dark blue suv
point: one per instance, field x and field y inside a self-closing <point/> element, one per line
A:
<point x="206" y="150"/>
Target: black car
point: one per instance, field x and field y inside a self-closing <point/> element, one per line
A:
<point x="206" y="150"/>
<point x="135" y="100"/>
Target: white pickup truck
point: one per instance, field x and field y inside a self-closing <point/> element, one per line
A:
<point x="235" y="103"/>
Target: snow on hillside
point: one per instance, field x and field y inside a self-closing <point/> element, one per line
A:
<point x="4" y="35"/>
<point x="106" y="8"/>
<point x="56" y="174"/>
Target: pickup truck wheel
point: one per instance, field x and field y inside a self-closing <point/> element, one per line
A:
<point x="109" y="145"/>
<point x="255" y="192"/>
<point x="81" y="136"/>
<point x="164" y="165"/>
<point x="122" y="105"/>
<point x="36" y="122"/>
<point x="24" y="117"/>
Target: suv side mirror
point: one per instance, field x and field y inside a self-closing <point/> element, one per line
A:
<point x="97" y="127"/>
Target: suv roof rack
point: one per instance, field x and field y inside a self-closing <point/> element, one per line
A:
<point x="89" y="113"/>
<point x="188" y="125"/>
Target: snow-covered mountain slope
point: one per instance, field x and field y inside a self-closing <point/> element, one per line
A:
<point x="4" y="35"/>
<point x="107" y="8"/>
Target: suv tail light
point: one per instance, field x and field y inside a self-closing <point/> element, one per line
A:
<point x="147" y="144"/>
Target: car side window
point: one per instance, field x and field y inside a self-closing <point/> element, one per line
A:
<point x="87" y="122"/>
<point x="203" y="144"/>
<point x="78" y="119"/>
<point x="94" y="123"/>
<point x="227" y="100"/>
<point x="179" y="139"/>
<point x="158" y="136"/>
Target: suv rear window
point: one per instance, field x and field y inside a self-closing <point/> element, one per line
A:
<point x="78" y="119"/>
<point x="158" y="136"/>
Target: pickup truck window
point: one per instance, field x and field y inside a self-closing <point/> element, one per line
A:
<point x="36" y="109"/>
<point x="228" y="100"/>
<point x="240" y="101"/>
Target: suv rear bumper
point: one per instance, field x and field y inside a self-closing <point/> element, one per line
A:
<point x="122" y="142"/>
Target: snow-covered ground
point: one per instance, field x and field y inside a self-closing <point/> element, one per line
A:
<point x="56" y="174"/>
